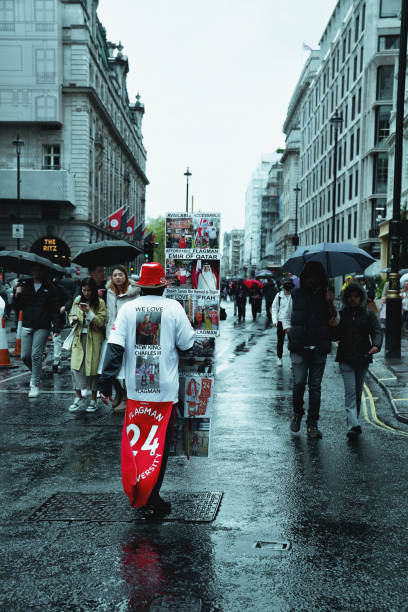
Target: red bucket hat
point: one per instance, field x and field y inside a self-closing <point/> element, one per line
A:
<point x="152" y="275"/>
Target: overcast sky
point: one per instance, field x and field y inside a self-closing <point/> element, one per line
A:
<point x="216" y="78"/>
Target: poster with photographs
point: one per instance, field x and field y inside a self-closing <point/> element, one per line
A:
<point x="197" y="395"/>
<point x="193" y="272"/>
<point x="206" y="231"/>
<point x="179" y="231"/>
<point x="199" y="359"/>
<point x="202" y="309"/>
<point x="179" y="272"/>
<point x="191" y="437"/>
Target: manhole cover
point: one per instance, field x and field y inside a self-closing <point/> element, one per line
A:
<point x="170" y="603"/>
<point x="198" y="507"/>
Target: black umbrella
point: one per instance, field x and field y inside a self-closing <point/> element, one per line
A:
<point x="21" y="262"/>
<point x="106" y="253"/>
<point x="337" y="258"/>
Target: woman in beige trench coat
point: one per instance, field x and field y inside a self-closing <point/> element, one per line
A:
<point x="88" y="312"/>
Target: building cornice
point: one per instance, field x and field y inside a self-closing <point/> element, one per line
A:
<point x="289" y="151"/>
<point x="100" y="107"/>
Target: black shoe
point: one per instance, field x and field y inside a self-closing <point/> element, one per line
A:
<point x="55" y="368"/>
<point x="354" y="432"/>
<point x="296" y="421"/>
<point x="159" y="506"/>
<point x="313" y="431"/>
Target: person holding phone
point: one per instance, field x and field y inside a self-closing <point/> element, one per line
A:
<point x="89" y="314"/>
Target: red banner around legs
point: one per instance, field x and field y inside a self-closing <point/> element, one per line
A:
<point x="143" y="438"/>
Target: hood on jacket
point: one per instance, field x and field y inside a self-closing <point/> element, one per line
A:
<point x="353" y="286"/>
<point x="314" y="267"/>
<point x="132" y="291"/>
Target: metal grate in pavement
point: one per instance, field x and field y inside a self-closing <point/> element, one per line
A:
<point x="197" y="507"/>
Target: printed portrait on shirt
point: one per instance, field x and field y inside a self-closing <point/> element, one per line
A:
<point x="147" y="374"/>
<point x="148" y="325"/>
<point x="206" y="275"/>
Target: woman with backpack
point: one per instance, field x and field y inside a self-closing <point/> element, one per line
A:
<point x="360" y="336"/>
<point x="88" y="313"/>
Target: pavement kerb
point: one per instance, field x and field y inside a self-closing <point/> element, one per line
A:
<point x="398" y="415"/>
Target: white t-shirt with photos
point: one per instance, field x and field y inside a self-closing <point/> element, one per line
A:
<point x="151" y="328"/>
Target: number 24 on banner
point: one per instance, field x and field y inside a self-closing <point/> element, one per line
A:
<point x="150" y="444"/>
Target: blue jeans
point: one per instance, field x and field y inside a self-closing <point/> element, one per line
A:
<point x="308" y="368"/>
<point x="353" y="379"/>
<point x="33" y="343"/>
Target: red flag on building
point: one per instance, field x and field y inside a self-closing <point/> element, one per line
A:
<point x="130" y="226"/>
<point x="115" y="219"/>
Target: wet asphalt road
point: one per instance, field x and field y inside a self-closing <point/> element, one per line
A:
<point x="339" y="506"/>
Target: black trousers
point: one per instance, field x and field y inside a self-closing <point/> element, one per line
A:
<point x="281" y="339"/>
<point x="241" y="304"/>
<point x="169" y="435"/>
<point x="268" y="306"/>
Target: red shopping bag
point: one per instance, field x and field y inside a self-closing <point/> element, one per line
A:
<point x="143" y="438"/>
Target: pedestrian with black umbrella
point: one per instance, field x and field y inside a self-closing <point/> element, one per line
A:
<point x="307" y="322"/>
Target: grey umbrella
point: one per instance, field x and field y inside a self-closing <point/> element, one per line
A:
<point x="337" y="258"/>
<point x="106" y="253"/>
<point x="21" y="262"/>
<point x="263" y="274"/>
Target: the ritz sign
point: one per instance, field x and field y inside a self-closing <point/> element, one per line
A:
<point x="49" y="245"/>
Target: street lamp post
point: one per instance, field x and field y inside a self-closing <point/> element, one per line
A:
<point x="393" y="321"/>
<point x="18" y="143"/>
<point x="187" y="175"/>
<point x="335" y="121"/>
<point x="295" y="239"/>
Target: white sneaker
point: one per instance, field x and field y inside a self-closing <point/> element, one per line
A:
<point x="34" y="391"/>
<point x="278" y="361"/>
<point x="76" y="405"/>
<point x="92" y="406"/>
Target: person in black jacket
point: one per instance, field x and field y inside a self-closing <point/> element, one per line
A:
<point x="269" y="292"/>
<point x="360" y="337"/>
<point x="241" y="294"/>
<point x="307" y="320"/>
<point x="38" y="300"/>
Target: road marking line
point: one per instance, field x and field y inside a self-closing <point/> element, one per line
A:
<point x="400" y="399"/>
<point x="391" y="378"/>
<point x="16" y="376"/>
<point x="377" y="422"/>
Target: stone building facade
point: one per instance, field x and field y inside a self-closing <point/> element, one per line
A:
<point x="358" y="50"/>
<point x="63" y="90"/>
<point x="284" y="229"/>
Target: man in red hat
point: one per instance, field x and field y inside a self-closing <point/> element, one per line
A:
<point x="151" y="408"/>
